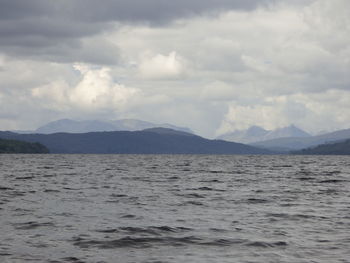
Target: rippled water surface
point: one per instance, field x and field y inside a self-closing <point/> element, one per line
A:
<point x="181" y="208"/>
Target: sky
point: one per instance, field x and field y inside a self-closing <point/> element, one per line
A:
<point x="213" y="66"/>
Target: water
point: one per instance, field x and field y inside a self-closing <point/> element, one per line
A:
<point x="181" y="208"/>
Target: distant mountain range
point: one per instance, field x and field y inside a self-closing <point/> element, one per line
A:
<point x="339" y="148"/>
<point x="298" y="143"/>
<point x="257" y="134"/>
<point x="73" y="126"/>
<point x="149" y="141"/>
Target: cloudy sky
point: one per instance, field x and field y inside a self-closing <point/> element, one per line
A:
<point x="211" y="65"/>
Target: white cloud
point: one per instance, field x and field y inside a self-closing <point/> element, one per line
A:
<point x="162" y="67"/>
<point x="242" y="117"/>
<point x="97" y="90"/>
<point x="310" y="111"/>
<point x="218" y="91"/>
<point x="53" y="95"/>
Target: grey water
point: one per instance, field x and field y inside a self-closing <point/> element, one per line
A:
<point x="174" y="208"/>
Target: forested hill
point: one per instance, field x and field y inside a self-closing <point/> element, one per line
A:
<point x="15" y="146"/>
<point x="151" y="141"/>
<point x="339" y="148"/>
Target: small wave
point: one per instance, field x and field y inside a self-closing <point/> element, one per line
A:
<point x="72" y="189"/>
<point x="280" y="166"/>
<point x="218" y="230"/>
<point x="333" y="172"/>
<point x="294" y="216"/>
<point x="51" y="191"/>
<point x="46" y="167"/>
<point x="332" y="181"/>
<point x="136" y="242"/>
<point x="4" y="188"/>
<point x="32" y="225"/>
<point x="14" y="193"/>
<point x="113" y="230"/>
<point x="128" y="216"/>
<point x="24" y="177"/>
<point x="197" y="203"/>
<point x="328" y="192"/>
<point x="223" y="242"/>
<point x="305" y="178"/>
<point x="49" y="175"/>
<point x="264" y="244"/>
<point x="151" y="230"/>
<point x="257" y="201"/>
<point x="206" y="188"/>
<point x="118" y="195"/>
<point x="173" y="178"/>
<point x="211" y="181"/>
<point x="193" y="195"/>
<point x="73" y="259"/>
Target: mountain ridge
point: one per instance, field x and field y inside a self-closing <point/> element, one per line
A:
<point x="294" y="143"/>
<point x="255" y="134"/>
<point x="74" y="126"/>
<point x="339" y="148"/>
<point x="154" y="141"/>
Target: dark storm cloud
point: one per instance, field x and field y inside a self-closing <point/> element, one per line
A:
<point x="120" y="10"/>
<point x="155" y="11"/>
<point x="53" y="30"/>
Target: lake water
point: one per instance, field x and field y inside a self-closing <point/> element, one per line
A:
<point x="174" y="208"/>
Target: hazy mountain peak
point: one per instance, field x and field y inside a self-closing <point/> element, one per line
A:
<point x="256" y="134"/>
<point x="296" y="143"/>
<point x="255" y="131"/>
<point x="73" y="126"/>
<point x="289" y="131"/>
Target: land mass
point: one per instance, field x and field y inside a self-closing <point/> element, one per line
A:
<point x="339" y="148"/>
<point x="74" y="126"/>
<point x="297" y="143"/>
<point x="15" y="146"/>
<point x="149" y="141"/>
<point x="257" y="134"/>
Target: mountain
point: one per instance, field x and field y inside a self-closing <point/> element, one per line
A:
<point x="290" y="131"/>
<point x="294" y="143"/>
<point x="256" y="134"/>
<point x="150" y="141"/>
<point x="339" y="148"/>
<point x="72" y="126"/>
<point x="14" y="146"/>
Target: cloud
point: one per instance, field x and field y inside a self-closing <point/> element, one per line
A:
<point x="222" y="64"/>
<point x="58" y="31"/>
<point x="95" y="91"/>
<point x="107" y="10"/>
<point x="218" y="91"/>
<point x="160" y="66"/>
<point x="308" y="110"/>
<point x="242" y="117"/>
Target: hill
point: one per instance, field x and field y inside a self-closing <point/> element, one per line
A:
<point x="293" y="143"/>
<point x="152" y="141"/>
<point x="339" y="148"/>
<point x="73" y="126"/>
<point x="256" y="134"/>
<point x="15" y="146"/>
